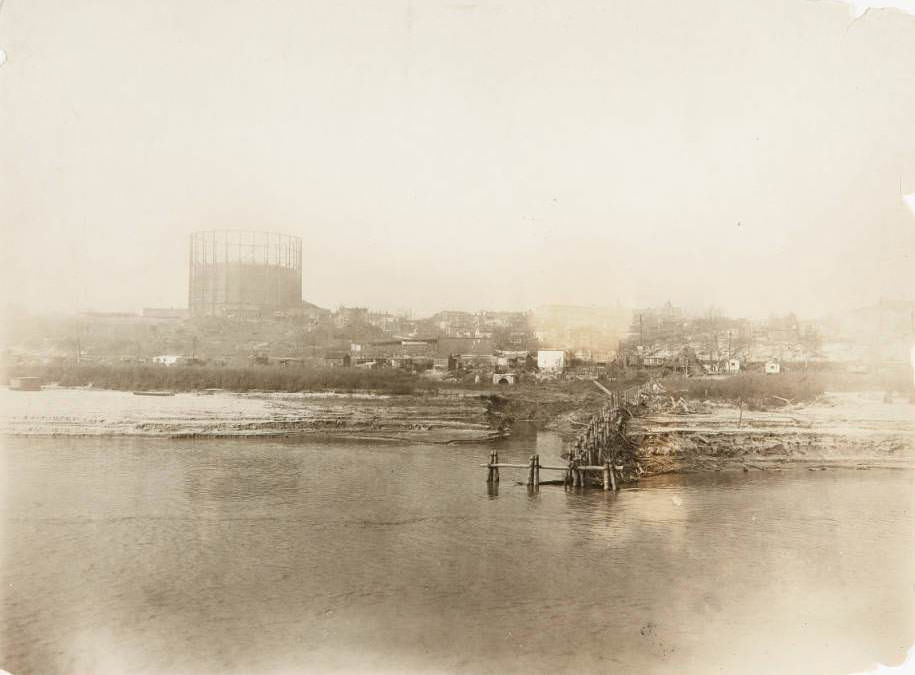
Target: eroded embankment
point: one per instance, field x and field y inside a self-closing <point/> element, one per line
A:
<point x="836" y="430"/>
<point x="425" y="419"/>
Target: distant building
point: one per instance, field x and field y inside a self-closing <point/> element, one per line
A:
<point x="503" y="378"/>
<point x="338" y="359"/>
<point x="551" y="360"/>
<point x="346" y="317"/>
<point x="464" y="345"/>
<point x="168" y="359"/>
<point x="773" y="367"/>
<point x="245" y="274"/>
<point x="733" y="365"/>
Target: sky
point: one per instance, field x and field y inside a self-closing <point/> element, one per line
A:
<point x="749" y="155"/>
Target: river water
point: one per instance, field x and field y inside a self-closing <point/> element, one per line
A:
<point x="145" y="555"/>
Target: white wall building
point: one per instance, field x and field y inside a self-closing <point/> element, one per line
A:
<point x="551" y="359"/>
<point x="167" y="359"/>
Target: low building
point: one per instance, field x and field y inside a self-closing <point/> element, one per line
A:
<point x="463" y="345"/>
<point x="503" y="378"/>
<point x="773" y="367"/>
<point x="338" y="359"/>
<point x="552" y="360"/>
<point x="733" y="366"/>
<point x="169" y="359"/>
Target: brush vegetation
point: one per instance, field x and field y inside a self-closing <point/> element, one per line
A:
<point x="191" y="378"/>
<point x="754" y="389"/>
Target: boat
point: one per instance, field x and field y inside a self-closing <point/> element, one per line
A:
<point x="153" y="393"/>
<point x="25" y="383"/>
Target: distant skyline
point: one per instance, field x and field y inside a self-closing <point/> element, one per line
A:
<point x="754" y="156"/>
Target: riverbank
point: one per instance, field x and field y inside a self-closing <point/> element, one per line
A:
<point x="382" y="417"/>
<point x="837" y="429"/>
<point x="666" y="435"/>
<point x="444" y="415"/>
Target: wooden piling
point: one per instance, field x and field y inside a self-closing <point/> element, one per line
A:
<point x="536" y="470"/>
<point x="495" y="460"/>
<point x="611" y="471"/>
<point x="606" y="476"/>
<point x="530" y="472"/>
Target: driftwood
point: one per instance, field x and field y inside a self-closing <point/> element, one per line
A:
<point x="597" y="447"/>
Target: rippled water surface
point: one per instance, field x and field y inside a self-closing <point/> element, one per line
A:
<point x="162" y="556"/>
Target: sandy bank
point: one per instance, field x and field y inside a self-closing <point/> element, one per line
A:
<point x="425" y="419"/>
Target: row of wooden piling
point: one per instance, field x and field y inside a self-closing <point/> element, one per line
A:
<point x="593" y="445"/>
<point x="574" y="472"/>
<point x="493" y="476"/>
<point x="592" y="448"/>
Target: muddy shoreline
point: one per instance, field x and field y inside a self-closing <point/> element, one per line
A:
<point x="377" y="417"/>
<point x="848" y="430"/>
<point x="442" y="416"/>
<point x="857" y="430"/>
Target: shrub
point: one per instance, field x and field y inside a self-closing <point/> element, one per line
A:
<point x="751" y="388"/>
<point x="189" y="378"/>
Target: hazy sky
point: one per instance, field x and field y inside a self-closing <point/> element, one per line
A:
<point x="462" y="154"/>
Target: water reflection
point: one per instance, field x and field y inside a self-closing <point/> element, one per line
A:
<point x="123" y="556"/>
<point x="219" y="477"/>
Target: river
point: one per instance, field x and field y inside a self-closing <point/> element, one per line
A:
<point x="150" y="555"/>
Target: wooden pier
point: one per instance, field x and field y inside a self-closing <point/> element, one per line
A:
<point x="574" y="472"/>
<point x="593" y="450"/>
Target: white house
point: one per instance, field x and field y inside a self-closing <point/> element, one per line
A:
<point x="773" y="367"/>
<point x="733" y="365"/>
<point x="551" y="359"/>
<point x="167" y="359"/>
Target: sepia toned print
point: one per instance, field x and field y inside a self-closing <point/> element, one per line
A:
<point x="457" y="337"/>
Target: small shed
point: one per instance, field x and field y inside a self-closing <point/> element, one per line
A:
<point x="773" y="367"/>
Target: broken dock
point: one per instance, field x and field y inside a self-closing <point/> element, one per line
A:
<point x="595" y="450"/>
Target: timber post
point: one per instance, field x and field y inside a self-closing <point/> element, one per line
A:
<point x="591" y="450"/>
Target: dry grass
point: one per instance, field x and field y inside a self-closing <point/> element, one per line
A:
<point x="190" y="378"/>
<point x="751" y="388"/>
